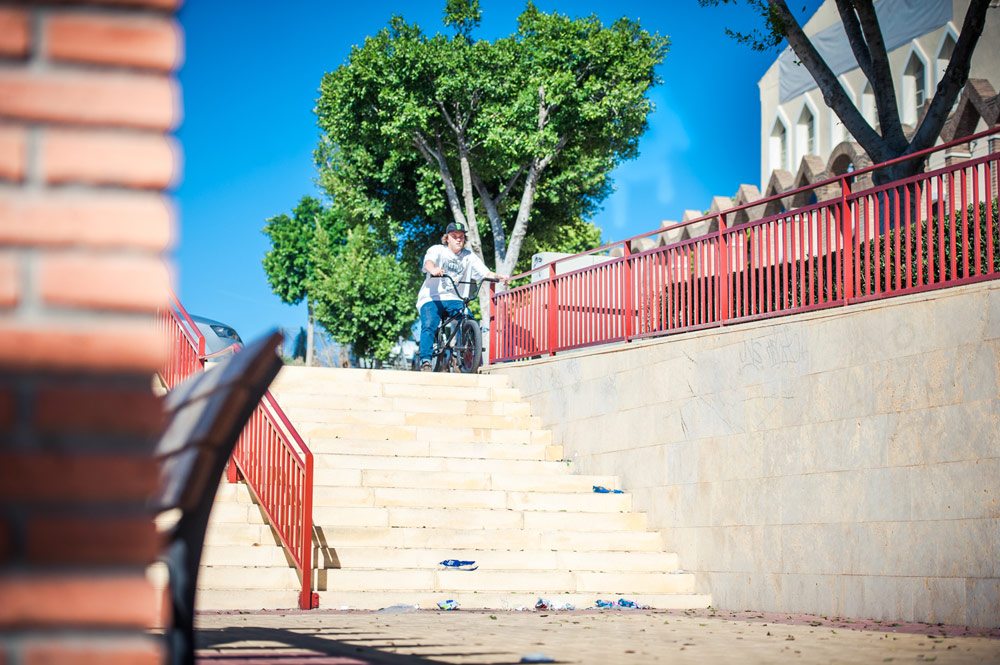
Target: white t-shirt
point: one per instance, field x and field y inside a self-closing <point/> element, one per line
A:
<point x="463" y="267"/>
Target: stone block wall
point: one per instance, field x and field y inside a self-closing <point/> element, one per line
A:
<point x="842" y="462"/>
<point x="87" y="105"/>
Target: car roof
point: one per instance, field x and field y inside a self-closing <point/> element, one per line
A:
<point x="205" y="319"/>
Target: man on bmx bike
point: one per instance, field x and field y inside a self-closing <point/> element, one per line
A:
<point x="438" y="298"/>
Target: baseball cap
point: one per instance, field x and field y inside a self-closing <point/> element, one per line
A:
<point x="456" y="226"/>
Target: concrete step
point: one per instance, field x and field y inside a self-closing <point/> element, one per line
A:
<point x="476" y="518"/>
<point x="467" y="480"/>
<point x="334" y="407"/>
<point x="414" y="448"/>
<point x="466" y="539"/>
<point x="511" y="581"/>
<point x="501" y="601"/>
<point x="293" y="375"/>
<point x="234" y="599"/>
<point x="432" y="433"/>
<point x="430" y="463"/>
<point x="263" y="556"/>
<point x="247" y="599"/>
<point x="389" y="558"/>
<point x="307" y="419"/>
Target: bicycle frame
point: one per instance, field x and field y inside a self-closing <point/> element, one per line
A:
<point x="454" y="338"/>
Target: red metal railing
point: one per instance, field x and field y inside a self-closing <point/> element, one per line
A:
<point x="929" y="231"/>
<point x="270" y="455"/>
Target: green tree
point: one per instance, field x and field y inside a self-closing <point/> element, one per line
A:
<point x="504" y="136"/>
<point x="360" y="295"/>
<point x="288" y="264"/>
<point x="864" y="33"/>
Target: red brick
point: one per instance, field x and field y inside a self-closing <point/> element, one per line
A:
<point x="88" y="98"/>
<point x="112" y="347"/>
<point x="143" y="221"/>
<point x="59" y="540"/>
<point x="15" y="34"/>
<point x="102" y="281"/>
<point x="112" y="601"/>
<point x="132" y="41"/>
<point x="77" y="478"/>
<point x="10" y="281"/>
<point x="98" y="409"/>
<point x="13" y="151"/>
<point x="113" y="158"/>
<point x="79" y="652"/>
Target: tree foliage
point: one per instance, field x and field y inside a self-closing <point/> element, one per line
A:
<point x="505" y="136"/>
<point x="864" y="34"/>
<point x="360" y="295"/>
<point x="288" y="264"/>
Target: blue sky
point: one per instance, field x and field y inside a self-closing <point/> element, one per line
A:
<point x="249" y="84"/>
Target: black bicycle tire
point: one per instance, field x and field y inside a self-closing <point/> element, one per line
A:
<point x="472" y="336"/>
<point x="440" y="360"/>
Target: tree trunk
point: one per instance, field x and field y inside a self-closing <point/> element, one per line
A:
<point x="309" y="335"/>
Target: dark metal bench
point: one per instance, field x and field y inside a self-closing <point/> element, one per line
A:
<point x="205" y="415"/>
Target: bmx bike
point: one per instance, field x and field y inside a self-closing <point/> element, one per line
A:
<point x="458" y="342"/>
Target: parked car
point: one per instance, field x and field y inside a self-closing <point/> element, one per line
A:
<point x="218" y="336"/>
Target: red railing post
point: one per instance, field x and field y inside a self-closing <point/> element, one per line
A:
<point x="628" y="292"/>
<point x="553" y="323"/>
<point x="722" y="271"/>
<point x="306" y="596"/>
<point x="847" y="275"/>
<point x="493" y="322"/>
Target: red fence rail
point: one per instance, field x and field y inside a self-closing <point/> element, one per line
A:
<point x="270" y="455"/>
<point x="933" y="230"/>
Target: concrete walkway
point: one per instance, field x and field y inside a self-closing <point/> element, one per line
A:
<point x="604" y="637"/>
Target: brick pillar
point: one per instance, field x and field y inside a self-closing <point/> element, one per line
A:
<point x="87" y="101"/>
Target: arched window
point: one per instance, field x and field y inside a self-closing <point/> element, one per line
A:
<point x="805" y="135"/>
<point x="914" y="89"/>
<point x="778" y="146"/>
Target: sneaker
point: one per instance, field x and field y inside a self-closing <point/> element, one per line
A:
<point x="425" y="366"/>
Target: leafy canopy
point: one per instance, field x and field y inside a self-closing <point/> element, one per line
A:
<point x="514" y="137"/>
<point x="288" y="264"/>
<point x="360" y="295"/>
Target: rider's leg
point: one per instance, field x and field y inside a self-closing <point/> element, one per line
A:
<point x="430" y="319"/>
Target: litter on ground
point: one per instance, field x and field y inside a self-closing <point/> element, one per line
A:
<point x="459" y="564"/>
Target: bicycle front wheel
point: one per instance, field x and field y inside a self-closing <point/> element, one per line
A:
<point x="470" y="350"/>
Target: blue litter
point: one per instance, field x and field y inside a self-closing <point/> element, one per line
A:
<point x="620" y="604"/>
<point x="447" y="605"/>
<point x="537" y="658"/>
<point x="604" y="490"/>
<point x="459" y="564"/>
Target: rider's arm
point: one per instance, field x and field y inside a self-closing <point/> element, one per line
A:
<point x="432" y="268"/>
<point x="497" y="276"/>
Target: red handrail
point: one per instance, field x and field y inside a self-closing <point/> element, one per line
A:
<point x="271" y="456"/>
<point x="929" y="231"/>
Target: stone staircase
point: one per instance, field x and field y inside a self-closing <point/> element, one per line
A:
<point x="413" y="468"/>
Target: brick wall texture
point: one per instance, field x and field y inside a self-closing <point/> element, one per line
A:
<point x="88" y="103"/>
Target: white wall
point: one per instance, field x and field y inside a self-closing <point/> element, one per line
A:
<point x="843" y="462"/>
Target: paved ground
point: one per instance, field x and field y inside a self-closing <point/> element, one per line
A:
<point x="607" y="637"/>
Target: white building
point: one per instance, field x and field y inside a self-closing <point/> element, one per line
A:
<point x="920" y="36"/>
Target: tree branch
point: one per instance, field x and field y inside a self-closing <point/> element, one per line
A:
<point x="855" y="37"/>
<point x="833" y="93"/>
<point x="496" y="223"/>
<point x="955" y="76"/>
<point x="881" y="78"/>
<point x="436" y="158"/>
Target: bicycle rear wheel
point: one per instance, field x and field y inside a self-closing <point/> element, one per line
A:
<point x="470" y="351"/>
